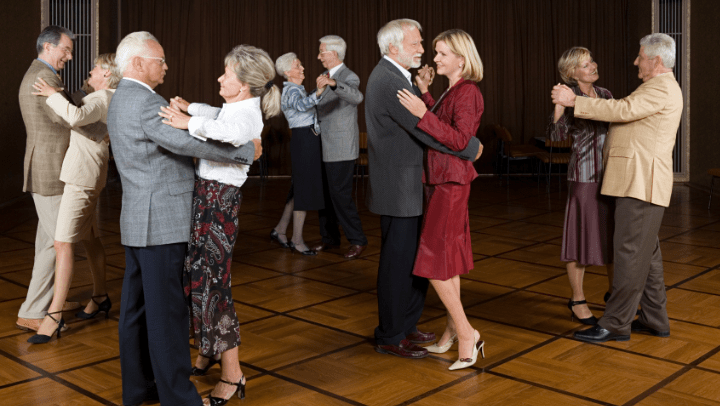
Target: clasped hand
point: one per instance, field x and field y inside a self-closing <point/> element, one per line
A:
<point x="324" y="80"/>
<point x="424" y="78"/>
<point x="563" y="96"/>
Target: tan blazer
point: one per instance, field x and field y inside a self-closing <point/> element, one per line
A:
<point x="48" y="136"/>
<point x="86" y="159"/>
<point x="638" y="150"/>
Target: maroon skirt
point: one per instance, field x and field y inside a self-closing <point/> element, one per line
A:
<point x="589" y="225"/>
<point x="445" y="249"/>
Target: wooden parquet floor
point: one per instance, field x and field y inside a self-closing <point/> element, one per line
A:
<point x="307" y="322"/>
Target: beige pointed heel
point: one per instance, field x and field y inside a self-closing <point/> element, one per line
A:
<point x="467" y="362"/>
<point x="441" y="349"/>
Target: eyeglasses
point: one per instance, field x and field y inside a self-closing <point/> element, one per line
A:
<point x="162" y="60"/>
<point x="324" y="52"/>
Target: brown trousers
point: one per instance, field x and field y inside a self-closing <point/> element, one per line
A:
<point x="638" y="275"/>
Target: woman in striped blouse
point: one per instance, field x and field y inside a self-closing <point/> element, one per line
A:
<point x="588" y="229"/>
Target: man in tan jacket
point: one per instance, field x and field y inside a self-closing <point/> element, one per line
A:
<point x="48" y="137"/>
<point x="638" y="162"/>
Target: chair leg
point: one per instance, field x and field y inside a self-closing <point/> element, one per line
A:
<point x="712" y="183"/>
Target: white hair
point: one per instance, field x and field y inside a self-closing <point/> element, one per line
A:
<point x="284" y="63"/>
<point x="393" y="33"/>
<point x="131" y="46"/>
<point x="335" y="43"/>
<point x="662" y="45"/>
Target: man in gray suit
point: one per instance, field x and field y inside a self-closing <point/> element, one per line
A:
<point x="337" y="114"/>
<point x="48" y="137"/>
<point x="395" y="160"/>
<point x="157" y="173"/>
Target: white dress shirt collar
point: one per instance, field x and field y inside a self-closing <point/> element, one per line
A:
<point x="334" y="70"/>
<point x="404" y="71"/>
<point x="142" y="83"/>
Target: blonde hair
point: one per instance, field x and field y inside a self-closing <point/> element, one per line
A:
<point x="254" y="67"/>
<point x="570" y="60"/>
<point x="462" y="44"/>
<point x="107" y="61"/>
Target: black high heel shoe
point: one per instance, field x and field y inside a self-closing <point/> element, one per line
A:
<point x="103" y="306"/>
<point x="275" y="236"/>
<point x="202" y="371"/>
<point x="306" y="252"/>
<point x="240" y="391"/>
<point x="42" y="338"/>
<point x="590" y="321"/>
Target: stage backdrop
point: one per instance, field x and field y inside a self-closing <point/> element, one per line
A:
<point x="519" y="43"/>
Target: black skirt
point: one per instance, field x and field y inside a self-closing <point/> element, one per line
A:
<point x="306" y="154"/>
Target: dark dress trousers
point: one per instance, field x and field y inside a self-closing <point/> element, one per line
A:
<point x="395" y="161"/>
<point x="337" y="114"/>
<point x="157" y="174"/>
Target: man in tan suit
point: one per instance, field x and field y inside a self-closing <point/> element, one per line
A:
<point x="48" y="137"/>
<point x="638" y="162"/>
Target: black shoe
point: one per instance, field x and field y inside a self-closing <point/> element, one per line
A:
<point x="202" y="371"/>
<point x="240" y="391"/>
<point x="637" y="327"/>
<point x="590" y="321"/>
<point x="103" y="306"/>
<point x="598" y="334"/>
<point x="42" y="338"/>
<point x="275" y="236"/>
<point x="306" y="252"/>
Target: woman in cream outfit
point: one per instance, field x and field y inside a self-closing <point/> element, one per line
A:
<point x="84" y="172"/>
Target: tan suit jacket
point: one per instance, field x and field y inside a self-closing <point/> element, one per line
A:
<point x="638" y="151"/>
<point x="86" y="159"/>
<point x="48" y="136"/>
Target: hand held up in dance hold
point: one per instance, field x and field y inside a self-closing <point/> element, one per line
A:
<point x="179" y="103"/>
<point x="174" y="117"/>
<point x="425" y="78"/>
<point x="563" y="95"/>
<point x="415" y="106"/>
<point x="44" y="89"/>
<point x="324" y="80"/>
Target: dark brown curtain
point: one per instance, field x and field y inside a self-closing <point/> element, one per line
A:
<point x="519" y="42"/>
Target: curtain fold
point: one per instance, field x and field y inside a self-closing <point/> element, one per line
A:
<point x="519" y="42"/>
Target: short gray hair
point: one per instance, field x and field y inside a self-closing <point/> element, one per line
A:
<point x="662" y="45"/>
<point x="335" y="43"/>
<point x="52" y="35"/>
<point x="393" y="33"/>
<point x="284" y="63"/>
<point x="131" y="46"/>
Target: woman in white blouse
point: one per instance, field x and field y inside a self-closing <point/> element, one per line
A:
<point x="248" y="89"/>
<point x="84" y="171"/>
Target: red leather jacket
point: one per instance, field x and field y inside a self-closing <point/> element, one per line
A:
<point x="453" y="123"/>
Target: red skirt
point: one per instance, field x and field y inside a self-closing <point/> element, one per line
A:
<point x="445" y="249"/>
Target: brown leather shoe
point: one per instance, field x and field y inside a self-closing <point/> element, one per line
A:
<point x="419" y="337"/>
<point x="355" y="251"/>
<point x="406" y="349"/>
<point x="321" y="246"/>
<point x="28" y="324"/>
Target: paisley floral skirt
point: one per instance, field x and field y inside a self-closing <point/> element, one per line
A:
<point x="207" y="266"/>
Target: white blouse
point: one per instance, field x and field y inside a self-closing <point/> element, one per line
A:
<point x="237" y="124"/>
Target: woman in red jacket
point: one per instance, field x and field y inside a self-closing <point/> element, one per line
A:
<point x="445" y="251"/>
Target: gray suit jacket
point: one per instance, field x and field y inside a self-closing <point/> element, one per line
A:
<point x="395" y="146"/>
<point x="337" y="114"/>
<point x="156" y="167"/>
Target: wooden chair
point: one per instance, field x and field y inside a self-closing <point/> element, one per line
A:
<point x="510" y="152"/>
<point x="714" y="173"/>
<point x="555" y="157"/>
<point x="361" y="163"/>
